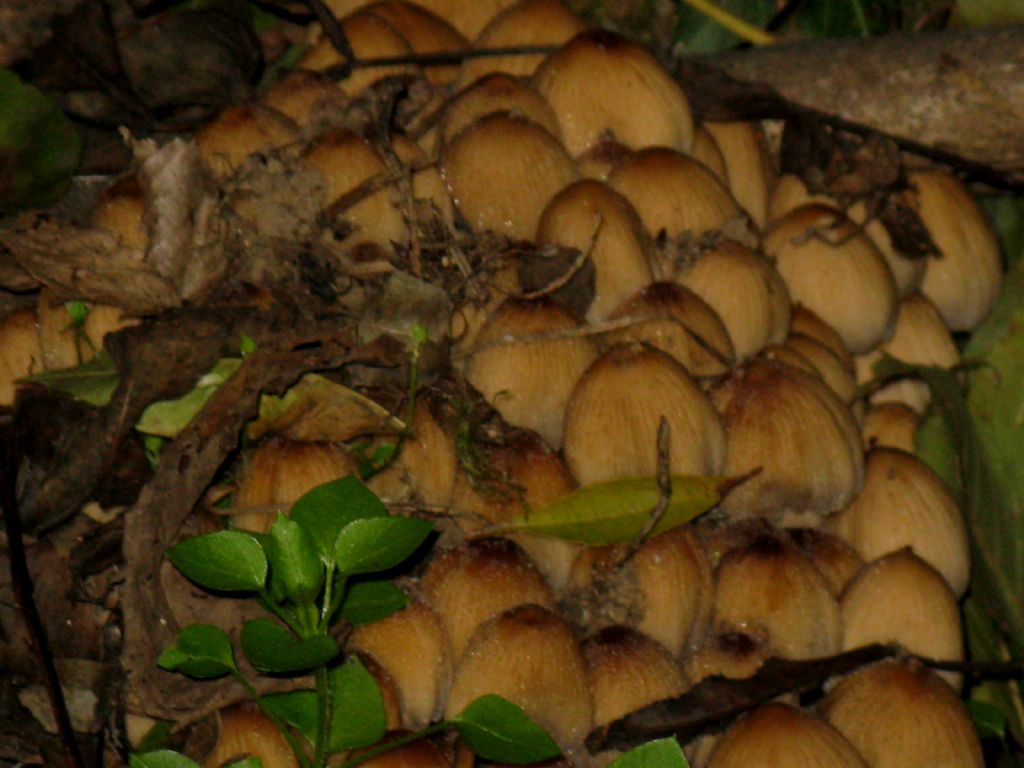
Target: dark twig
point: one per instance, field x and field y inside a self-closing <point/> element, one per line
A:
<point x="21" y="584"/>
<point x="664" y="480"/>
<point x="716" y="701"/>
<point x="440" y="59"/>
<point x="336" y="34"/>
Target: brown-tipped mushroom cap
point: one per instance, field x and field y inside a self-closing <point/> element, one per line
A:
<point x="529" y="656"/>
<point x="611" y="424"/>
<point x="676" y="320"/>
<point x="121" y="209"/>
<point x="771" y="589"/>
<point x="597" y="220"/>
<point x="837" y="560"/>
<point x="278" y="472"/>
<point x="901" y="715"/>
<point x="346" y="160"/>
<point x="834" y="270"/>
<point x="797" y="432"/>
<point x="240" y="131"/>
<point x="528" y="22"/>
<point x="480" y="579"/>
<point x="527" y="362"/>
<point x="244" y="731"/>
<point x="601" y="84"/>
<point x="664" y="590"/>
<point x="413" y="647"/>
<point x="501" y="172"/>
<point x="808" y="323"/>
<point x="890" y="425"/>
<point x="673" y="193"/>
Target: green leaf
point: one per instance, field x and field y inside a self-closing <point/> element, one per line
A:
<point x="39" y="146"/>
<point x="989" y="720"/>
<point x="294" y="561"/>
<point x="661" y="753"/>
<point x="358" y="718"/>
<point x="157" y="737"/>
<point x="247" y="345"/>
<point x="93" y="382"/>
<point x="846" y="18"/>
<point x="269" y="647"/>
<point x="167" y="418"/>
<point x="328" y="508"/>
<point x="376" y="544"/>
<point x="616" y="512"/>
<point x="77" y="312"/>
<point x="296" y="708"/>
<point x="202" y="650"/>
<point x="496" y="729"/>
<point x="369" y="601"/>
<point x="698" y="33"/>
<point x="245" y="762"/>
<point x="229" y="561"/>
<point x="161" y="759"/>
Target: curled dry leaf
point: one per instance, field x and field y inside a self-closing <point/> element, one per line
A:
<point x="184" y="259"/>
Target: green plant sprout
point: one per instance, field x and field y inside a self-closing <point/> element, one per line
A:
<point x="310" y="572"/>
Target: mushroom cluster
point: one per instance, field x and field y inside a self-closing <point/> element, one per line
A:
<point x="702" y="292"/>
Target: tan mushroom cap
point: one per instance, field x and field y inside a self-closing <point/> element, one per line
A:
<point x="611" y="424"/>
<point x="426" y="33"/>
<point x="965" y="280"/>
<point x="890" y="425"/>
<point x="904" y="504"/>
<point x="676" y="320"/>
<point x="597" y="220"/>
<point x="497" y="92"/>
<point x="600" y="84"/>
<point x="529" y="22"/>
<point x="673" y="193"/>
<point x="370" y="36"/>
<point x="304" y="96"/>
<point x="748" y="163"/>
<point x="526" y="362"/>
<point x="781" y="736"/>
<point x="746" y="291"/>
<point x="793" y="427"/>
<point x="529" y="656"/>
<point x="501" y="172"/>
<point x="900" y="598"/>
<point x="769" y="588"/>
<point x="902" y="715"/>
<point x="238" y="132"/>
<point x="919" y="337"/>
<point x="835" y="271"/>
<point x="790" y="192"/>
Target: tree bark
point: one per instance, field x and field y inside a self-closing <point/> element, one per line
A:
<point x="957" y="95"/>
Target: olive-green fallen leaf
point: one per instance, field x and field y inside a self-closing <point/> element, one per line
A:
<point x="93" y="382"/>
<point x="615" y="512"/>
<point x="167" y="418"/>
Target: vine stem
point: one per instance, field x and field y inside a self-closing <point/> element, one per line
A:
<point x="401" y="741"/>
<point x="734" y="24"/>
<point x="293" y="742"/>
<point x="323" y="719"/>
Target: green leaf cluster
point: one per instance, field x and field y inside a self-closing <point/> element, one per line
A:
<point x="312" y="569"/>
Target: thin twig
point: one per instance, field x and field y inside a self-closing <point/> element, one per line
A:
<point x="336" y="34"/>
<point x="664" y="481"/>
<point x="21" y="585"/>
<point x="440" y="59"/>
